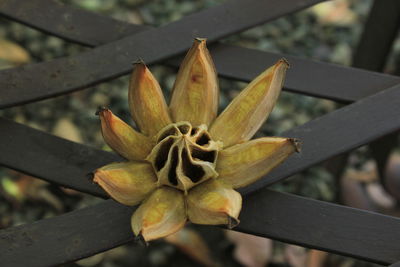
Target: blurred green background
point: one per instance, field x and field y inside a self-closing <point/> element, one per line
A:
<point x="327" y="32"/>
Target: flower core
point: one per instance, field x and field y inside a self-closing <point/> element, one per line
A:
<point x="184" y="156"/>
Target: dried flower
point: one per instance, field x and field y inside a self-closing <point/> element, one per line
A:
<point x="185" y="163"/>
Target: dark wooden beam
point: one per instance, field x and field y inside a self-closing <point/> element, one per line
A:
<point x="308" y="77"/>
<point x="324" y="226"/>
<point x="38" y="81"/>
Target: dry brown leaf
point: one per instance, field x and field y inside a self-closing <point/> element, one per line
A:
<point x="379" y="196"/>
<point x="250" y="250"/>
<point x="368" y="174"/>
<point x="65" y="128"/>
<point x="296" y="256"/>
<point x="334" y="12"/>
<point x="353" y="195"/>
<point x="13" y="53"/>
<point x="192" y="244"/>
<point x="393" y="176"/>
<point x="316" y="258"/>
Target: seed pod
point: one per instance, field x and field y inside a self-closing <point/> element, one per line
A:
<point x="126" y="182"/>
<point x="146" y="101"/>
<point x="243" y="164"/>
<point x="195" y="92"/>
<point x="214" y="202"/>
<point x="248" y="111"/>
<point x="122" y="138"/>
<point x="161" y="214"/>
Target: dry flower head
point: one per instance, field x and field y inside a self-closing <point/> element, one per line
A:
<point x="185" y="162"/>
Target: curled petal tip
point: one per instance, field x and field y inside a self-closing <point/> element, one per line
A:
<point x="100" y="109"/>
<point x="284" y="61"/>
<point x="139" y="61"/>
<point x="140" y="239"/>
<point x="297" y="144"/>
<point x="122" y="138"/>
<point x="199" y="39"/>
<point x="232" y="222"/>
<point x="90" y="176"/>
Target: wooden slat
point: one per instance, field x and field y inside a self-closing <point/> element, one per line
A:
<point x="69" y="23"/>
<point x="372" y="53"/>
<point x="306" y="76"/>
<point x="379" y="33"/>
<point x="38" y="81"/>
<point x="309" y="77"/>
<point x="280" y="216"/>
<point x="43" y="155"/>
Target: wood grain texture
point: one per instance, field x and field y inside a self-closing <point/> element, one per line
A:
<point x="44" y="155"/>
<point x="114" y="59"/>
<point x="308" y="77"/>
<point x="324" y="226"/>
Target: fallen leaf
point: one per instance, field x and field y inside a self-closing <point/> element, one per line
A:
<point x="65" y="128"/>
<point x="316" y="258"/>
<point x="353" y="194"/>
<point x="250" y="250"/>
<point x="392" y="176"/>
<point x="13" y="53"/>
<point x="379" y="196"/>
<point x="193" y="245"/>
<point x="334" y="12"/>
<point x="296" y="256"/>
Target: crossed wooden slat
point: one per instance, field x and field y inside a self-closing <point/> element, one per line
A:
<point x="277" y="215"/>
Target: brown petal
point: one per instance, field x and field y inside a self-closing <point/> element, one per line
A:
<point x="243" y="164"/>
<point x="195" y="92"/>
<point x="126" y="182"/>
<point x="122" y="138"/>
<point x="248" y="111"/>
<point x="146" y="101"/>
<point x="213" y="203"/>
<point x="161" y="214"/>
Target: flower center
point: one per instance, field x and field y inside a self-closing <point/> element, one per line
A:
<point x="184" y="156"/>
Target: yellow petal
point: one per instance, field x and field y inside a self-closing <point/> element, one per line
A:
<point x="195" y="92"/>
<point x="243" y="164"/>
<point x="122" y="138"/>
<point x="126" y="182"/>
<point x="248" y="111"/>
<point x="214" y="202"/>
<point x="146" y="101"/>
<point x="161" y="214"/>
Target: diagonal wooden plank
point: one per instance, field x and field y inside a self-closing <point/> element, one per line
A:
<point x="374" y="46"/>
<point x="340" y="131"/>
<point x="44" y="155"/>
<point x="39" y="81"/>
<point x="325" y="226"/>
<point x="327" y="221"/>
<point x="52" y="158"/>
<point x="308" y="77"/>
<point x="379" y="33"/>
<point x="69" y="23"/>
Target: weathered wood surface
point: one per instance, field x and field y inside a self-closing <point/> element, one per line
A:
<point x="38" y="81"/>
<point x="324" y="226"/>
<point x="44" y="155"/>
<point x="308" y="77"/>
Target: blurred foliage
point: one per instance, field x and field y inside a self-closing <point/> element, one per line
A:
<point x="327" y="32"/>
